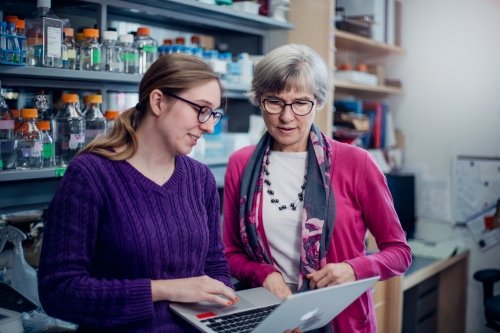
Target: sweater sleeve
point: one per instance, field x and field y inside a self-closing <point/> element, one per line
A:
<point x="66" y="286"/>
<point x="249" y="272"/>
<point x="216" y="264"/>
<point x="381" y="219"/>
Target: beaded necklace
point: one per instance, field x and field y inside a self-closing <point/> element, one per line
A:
<point x="274" y="200"/>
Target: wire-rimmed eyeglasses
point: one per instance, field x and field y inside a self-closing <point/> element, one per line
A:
<point x="204" y="112"/>
<point x="300" y="107"/>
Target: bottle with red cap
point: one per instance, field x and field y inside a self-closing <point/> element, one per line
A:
<point x="29" y="142"/>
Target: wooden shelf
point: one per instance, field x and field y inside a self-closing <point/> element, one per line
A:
<point x="347" y="86"/>
<point x="347" y="41"/>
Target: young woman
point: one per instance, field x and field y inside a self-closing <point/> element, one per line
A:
<point x="134" y="224"/>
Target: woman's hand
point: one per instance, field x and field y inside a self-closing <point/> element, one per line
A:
<point x="274" y="283"/>
<point x="194" y="289"/>
<point x="330" y="275"/>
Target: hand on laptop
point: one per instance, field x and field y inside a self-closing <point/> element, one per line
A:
<point x="193" y="289"/>
<point x="274" y="283"/>
<point x="330" y="275"/>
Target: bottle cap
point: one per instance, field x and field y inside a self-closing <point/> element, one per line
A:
<point x="79" y="37"/>
<point x="109" y="35"/>
<point x="167" y="41"/>
<point x="180" y="40"/>
<point x="10" y="18"/>
<point x="143" y="31"/>
<point x="126" y="38"/>
<point x="29" y="113"/>
<point x="111" y="114"/>
<point x="196" y="39"/>
<point x="91" y="33"/>
<point x="93" y="99"/>
<point x="15" y="113"/>
<point x="69" y="98"/>
<point x="43" y="125"/>
<point x="68" y="32"/>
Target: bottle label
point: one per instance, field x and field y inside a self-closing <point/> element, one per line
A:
<point x="48" y="150"/>
<point x="64" y="55"/>
<point x="92" y="133"/>
<point x="54" y="42"/>
<point x="96" y="56"/>
<point x="6" y="124"/>
<point x="149" y="48"/>
<point x="37" y="149"/>
<point x="1" y="164"/>
<point x="71" y="54"/>
<point x="76" y="140"/>
<point x="129" y="56"/>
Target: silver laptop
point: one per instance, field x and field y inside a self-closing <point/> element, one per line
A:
<point x="261" y="311"/>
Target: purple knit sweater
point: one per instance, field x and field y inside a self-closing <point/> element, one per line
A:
<point x="110" y="231"/>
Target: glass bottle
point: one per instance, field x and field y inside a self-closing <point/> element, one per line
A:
<point x="79" y="38"/>
<point x="8" y="141"/>
<point x="90" y="51"/>
<point x="129" y="55"/>
<point x="69" y="49"/>
<point x="112" y="52"/>
<point x="29" y="146"/>
<point x="21" y="36"/>
<point x="111" y="116"/>
<point x="95" y="123"/>
<point x="44" y="37"/>
<point x="148" y="48"/>
<point x="48" y="150"/>
<point x="70" y="130"/>
<point x="3" y="40"/>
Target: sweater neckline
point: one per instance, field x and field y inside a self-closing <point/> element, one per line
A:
<point x="140" y="179"/>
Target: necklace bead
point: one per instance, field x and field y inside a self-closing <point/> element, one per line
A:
<point x="300" y="195"/>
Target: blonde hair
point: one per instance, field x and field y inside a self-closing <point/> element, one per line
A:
<point x="173" y="73"/>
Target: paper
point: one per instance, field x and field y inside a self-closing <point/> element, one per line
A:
<point x="484" y="238"/>
<point x="433" y="199"/>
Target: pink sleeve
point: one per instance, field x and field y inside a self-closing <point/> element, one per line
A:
<point x="249" y="272"/>
<point x="381" y="219"/>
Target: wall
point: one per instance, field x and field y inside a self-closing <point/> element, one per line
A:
<point x="451" y="105"/>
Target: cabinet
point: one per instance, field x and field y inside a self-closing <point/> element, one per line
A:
<point x="331" y="44"/>
<point x="235" y="30"/>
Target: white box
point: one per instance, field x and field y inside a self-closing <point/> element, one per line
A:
<point x="358" y="77"/>
<point x="249" y="7"/>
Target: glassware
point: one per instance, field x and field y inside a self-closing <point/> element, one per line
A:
<point x="70" y="130"/>
<point x="69" y="49"/>
<point x="44" y="37"/>
<point x="129" y="55"/>
<point x="148" y="48"/>
<point x="111" y="116"/>
<point x="8" y="141"/>
<point x="112" y="53"/>
<point x="90" y="51"/>
<point x="48" y="150"/>
<point x="95" y="123"/>
<point x="29" y="138"/>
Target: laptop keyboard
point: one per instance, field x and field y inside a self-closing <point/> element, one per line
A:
<point x="240" y="322"/>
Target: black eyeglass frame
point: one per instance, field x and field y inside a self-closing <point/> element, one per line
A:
<point x="263" y="102"/>
<point x="202" y="110"/>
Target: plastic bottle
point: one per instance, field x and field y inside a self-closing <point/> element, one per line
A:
<point x="23" y="276"/>
<point x="95" y="123"/>
<point x="48" y="151"/>
<point x="79" y="38"/>
<point x="3" y="40"/>
<point x="69" y="49"/>
<point x="8" y="141"/>
<point x="148" y="48"/>
<point x="246" y="67"/>
<point x="111" y="52"/>
<point x="70" y="130"/>
<point x="29" y="142"/>
<point x="90" y="51"/>
<point x="129" y="55"/>
<point x="13" y="49"/>
<point x="44" y="37"/>
<point x="111" y="116"/>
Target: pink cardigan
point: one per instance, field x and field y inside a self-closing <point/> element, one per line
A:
<point x="363" y="202"/>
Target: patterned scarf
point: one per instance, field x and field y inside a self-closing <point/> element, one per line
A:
<point x="318" y="215"/>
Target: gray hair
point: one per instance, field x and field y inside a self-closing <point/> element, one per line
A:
<point x="291" y="66"/>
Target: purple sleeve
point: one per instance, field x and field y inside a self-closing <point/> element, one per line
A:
<point x="66" y="288"/>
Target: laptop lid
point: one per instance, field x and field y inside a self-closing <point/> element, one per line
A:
<point x="307" y="310"/>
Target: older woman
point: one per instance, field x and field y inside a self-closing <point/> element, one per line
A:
<point x="298" y="205"/>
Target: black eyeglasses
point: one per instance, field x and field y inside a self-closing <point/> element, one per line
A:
<point x="204" y="112"/>
<point x="300" y="107"/>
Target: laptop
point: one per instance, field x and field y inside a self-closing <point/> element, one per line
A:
<point x="261" y="311"/>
